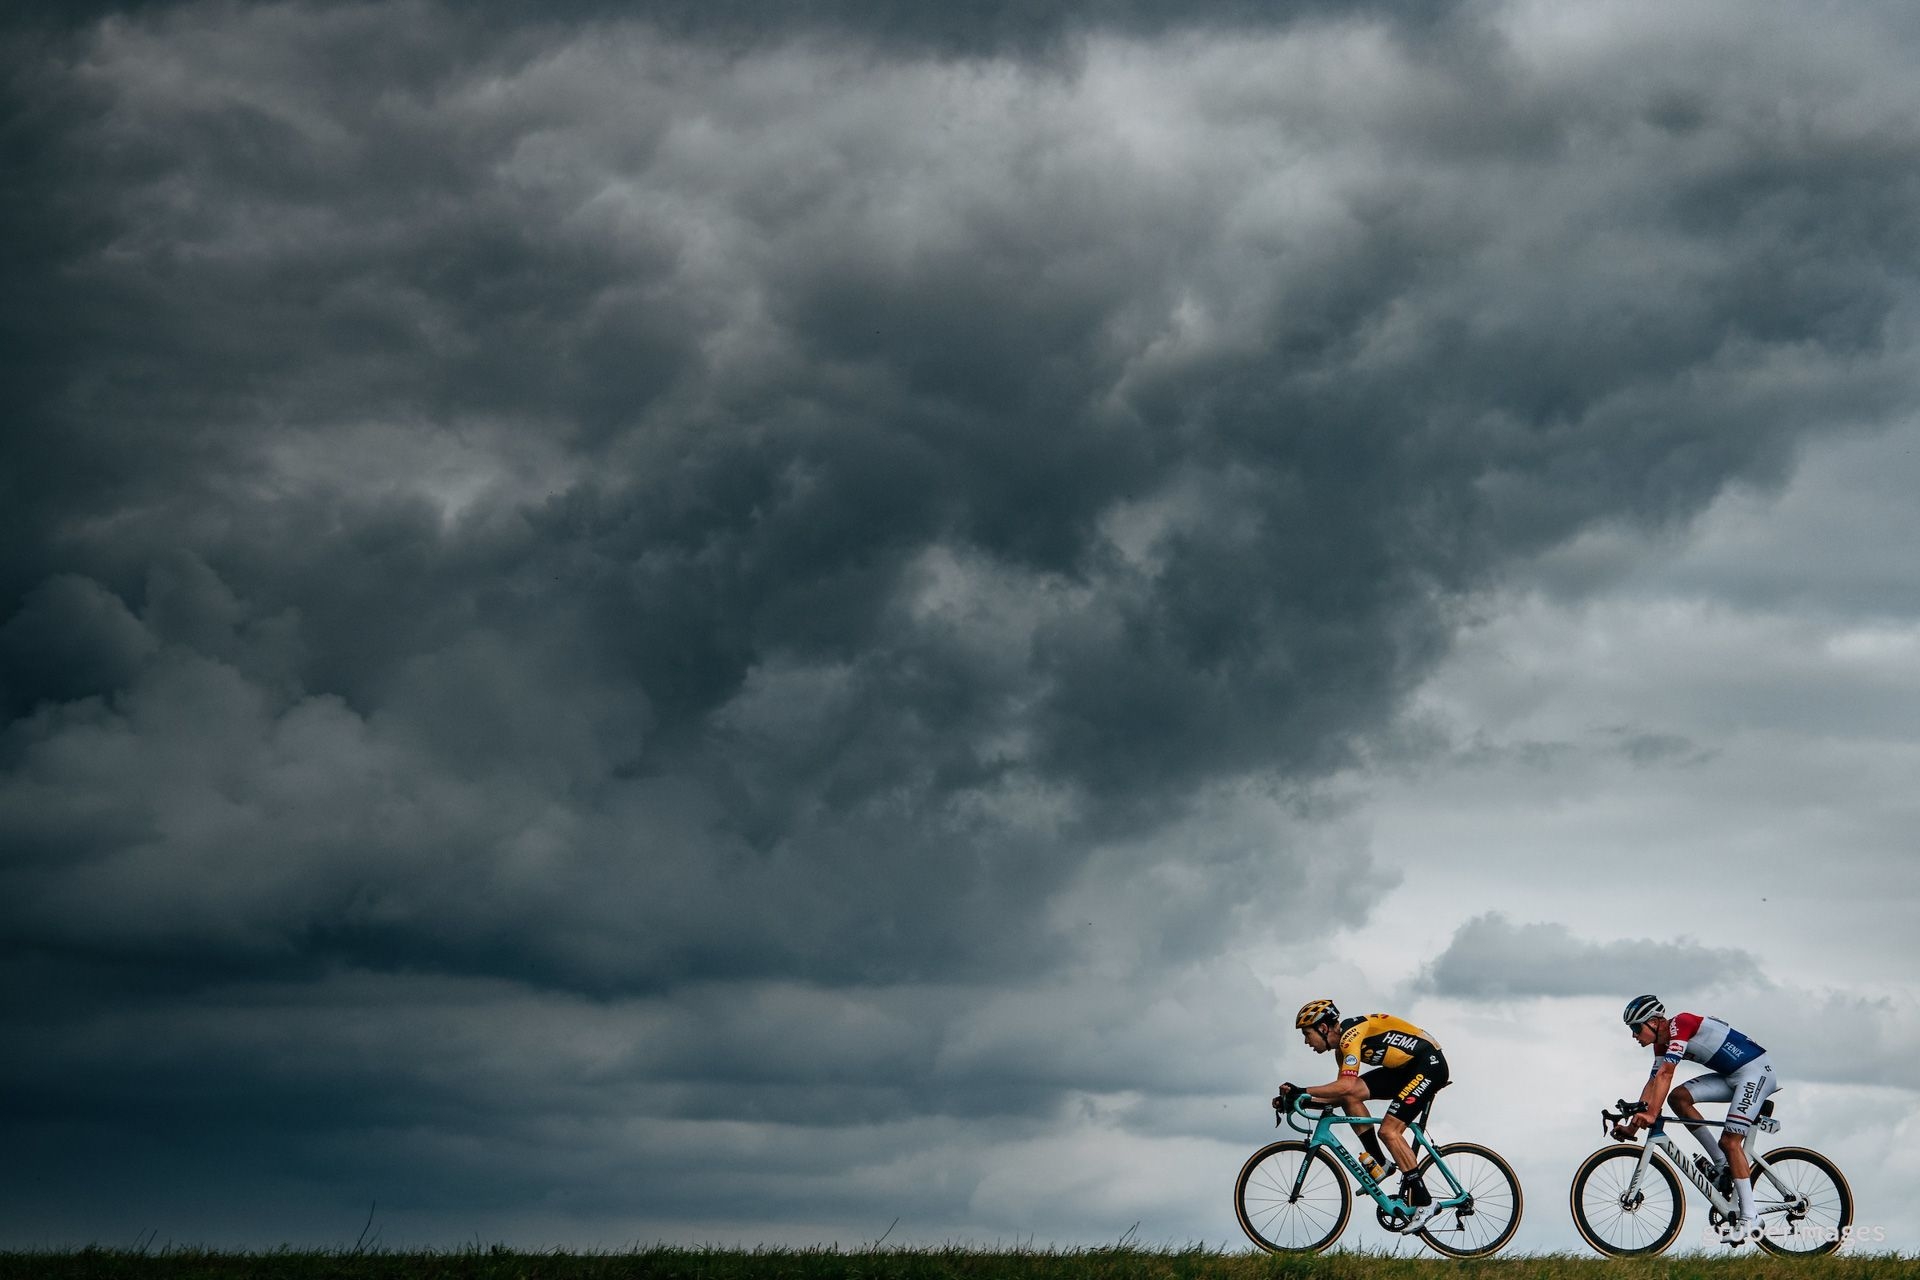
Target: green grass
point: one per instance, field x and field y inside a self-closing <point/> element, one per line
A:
<point x="498" y="1263"/>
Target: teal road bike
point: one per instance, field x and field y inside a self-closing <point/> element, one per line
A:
<point x="1292" y="1196"/>
<point x="1627" y="1200"/>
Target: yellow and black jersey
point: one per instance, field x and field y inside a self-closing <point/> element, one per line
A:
<point x="1382" y="1040"/>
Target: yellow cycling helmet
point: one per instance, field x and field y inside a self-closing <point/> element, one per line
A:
<point x="1314" y="1012"/>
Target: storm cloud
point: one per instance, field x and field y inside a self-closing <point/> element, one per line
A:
<point x="619" y="519"/>
<point x="1492" y="957"/>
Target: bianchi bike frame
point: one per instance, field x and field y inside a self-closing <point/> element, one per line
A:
<point x="1293" y="1197"/>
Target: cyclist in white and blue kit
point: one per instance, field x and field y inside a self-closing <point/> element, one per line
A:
<point x="1738" y="1073"/>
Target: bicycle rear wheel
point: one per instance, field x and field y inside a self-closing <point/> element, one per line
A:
<point x="1803" y="1205"/>
<point x="1485" y="1224"/>
<point x="1278" y="1220"/>
<point x="1619" y="1218"/>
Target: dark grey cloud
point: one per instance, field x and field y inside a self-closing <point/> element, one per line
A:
<point x="984" y="25"/>
<point x="1491" y="957"/>
<point x="623" y="514"/>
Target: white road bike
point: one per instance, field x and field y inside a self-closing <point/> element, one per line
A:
<point x="1627" y="1200"/>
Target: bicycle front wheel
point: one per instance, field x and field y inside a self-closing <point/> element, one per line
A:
<point x="1802" y="1203"/>
<point x="1622" y="1219"/>
<point x="1292" y="1198"/>
<point x="1488" y="1221"/>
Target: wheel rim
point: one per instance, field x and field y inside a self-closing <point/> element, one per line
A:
<point x="1622" y="1222"/>
<point x="1275" y="1219"/>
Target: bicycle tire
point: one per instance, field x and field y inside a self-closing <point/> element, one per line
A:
<point x="1611" y="1226"/>
<point x="1490" y="1180"/>
<point x="1262" y="1198"/>
<point x="1828" y="1198"/>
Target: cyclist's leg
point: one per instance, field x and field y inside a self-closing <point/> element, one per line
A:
<point x="1750" y="1086"/>
<point x="1421" y="1079"/>
<point x="1412" y="1091"/>
<point x="1387" y="1083"/>
<point x="1376" y="1160"/>
<point x="1709" y="1087"/>
<point x="1369" y="1133"/>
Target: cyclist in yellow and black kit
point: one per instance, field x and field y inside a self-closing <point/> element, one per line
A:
<point x="1408" y="1068"/>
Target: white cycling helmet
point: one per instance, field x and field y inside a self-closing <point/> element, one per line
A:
<point x="1642" y="1008"/>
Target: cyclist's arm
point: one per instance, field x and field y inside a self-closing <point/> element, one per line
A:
<point x="1345" y="1089"/>
<point x="1655" y="1093"/>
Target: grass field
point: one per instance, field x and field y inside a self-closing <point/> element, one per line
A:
<point x="926" y="1264"/>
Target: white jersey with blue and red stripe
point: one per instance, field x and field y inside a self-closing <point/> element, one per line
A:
<point x="1710" y="1041"/>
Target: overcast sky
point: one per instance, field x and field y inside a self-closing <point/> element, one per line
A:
<point x="764" y="623"/>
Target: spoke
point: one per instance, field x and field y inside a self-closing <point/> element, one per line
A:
<point x="1806" y="1206"/>
<point x="1602" y="1204"/>
<point x="1283" y="1219"/>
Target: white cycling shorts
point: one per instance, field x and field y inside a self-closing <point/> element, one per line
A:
<point x="1743" y="1089"/>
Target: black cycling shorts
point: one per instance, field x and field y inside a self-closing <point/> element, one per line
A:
<point x="1411" y="1085"/>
